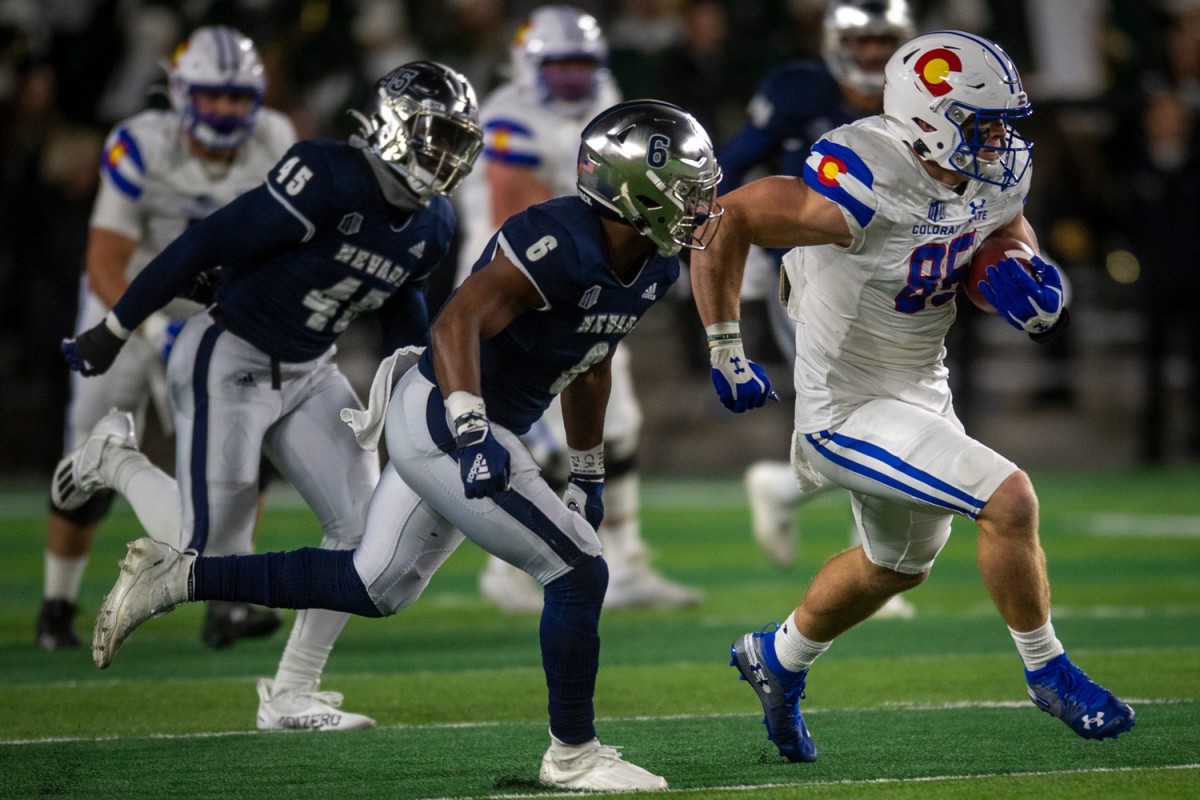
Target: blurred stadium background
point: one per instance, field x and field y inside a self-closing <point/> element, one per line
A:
<point x="1102" y="197"/>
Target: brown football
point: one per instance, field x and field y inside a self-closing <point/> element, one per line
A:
<point x="993" y="249"/>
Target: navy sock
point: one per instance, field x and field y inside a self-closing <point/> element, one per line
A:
<point x="308" y="578"/>
<point x="570" y="635"/>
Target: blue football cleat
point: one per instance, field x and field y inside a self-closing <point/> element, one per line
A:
<point x="1064" y="690"/>
<point x="778" y="690"/>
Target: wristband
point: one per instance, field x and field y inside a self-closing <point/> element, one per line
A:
<point x="466" y="410"/>
<point x="723" y="333"/>
<point x="588" y="463"/>
<point x="115" y="327"/>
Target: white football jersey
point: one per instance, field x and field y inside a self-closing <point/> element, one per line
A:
<point x="152" y="188"/>
<point x="872" y="317"/>
<point x="520" y="129"/>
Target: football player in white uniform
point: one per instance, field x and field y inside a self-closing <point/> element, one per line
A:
<point x="793" y="107"/>
<point x="885" y="220"/>
<point x="531" y="139"/>
<point x="161" y="171"/>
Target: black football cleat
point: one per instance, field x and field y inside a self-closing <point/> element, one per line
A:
<point x="225" y="622"/>
<point x="56" y="625"/>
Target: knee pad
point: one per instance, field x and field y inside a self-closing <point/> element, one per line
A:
<point x="95" y="509"/>
<point x="586" y="583"/>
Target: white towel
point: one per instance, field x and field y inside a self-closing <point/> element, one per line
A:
<point x="368" y="425"/>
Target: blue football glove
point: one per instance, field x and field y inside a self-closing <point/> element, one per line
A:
<point x="482" y="461"/>
<point x="740" y="383"/>
<point x="93" y="351"/>
<point x="1031" y="304"/>
<point x="585" y="496"/>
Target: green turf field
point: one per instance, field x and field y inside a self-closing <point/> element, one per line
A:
<point x="933" y="707"/>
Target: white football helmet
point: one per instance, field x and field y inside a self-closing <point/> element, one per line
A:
<point x="424" y="123"/>
<point x="216" y="58"/>
<point x="846" y="21"/>
<point x="651" y="164"/>
<point x="946" y="90"/>
<point x="559" y="33"/>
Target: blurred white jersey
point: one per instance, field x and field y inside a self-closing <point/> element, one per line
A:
<point x="873" y="316"/>
<point x="520" y="129"/>
<point x="153" y="188"/>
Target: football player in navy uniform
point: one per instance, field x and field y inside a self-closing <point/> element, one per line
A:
<point x="337" y="229"/>
<point x="794" y="106"/>
<point x="555" y="290"/>
<point x="163" y="170"/>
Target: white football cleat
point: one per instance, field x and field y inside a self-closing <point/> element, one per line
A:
<point x="77" y="476"/>
<point x="153" y="581"/>
<point x="634" y="584"/>
<point x="774" y="496"/>
<point x="597" y="768"/>
<point x="510" y="588"/>
<point x="896" y="608"/>
<point x="304" y="710"/>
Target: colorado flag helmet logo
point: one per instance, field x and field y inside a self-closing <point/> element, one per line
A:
<point x="934" y="67"/>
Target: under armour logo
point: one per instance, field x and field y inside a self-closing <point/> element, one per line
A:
<point x="738" y="369"/>
<point x="1097" y="720"/>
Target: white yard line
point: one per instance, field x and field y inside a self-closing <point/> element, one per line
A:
<point x="910" y="707"/>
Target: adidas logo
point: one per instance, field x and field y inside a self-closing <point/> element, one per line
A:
<point x="479" y="469"/>
<point x="417" y="250"/>
<point x="651" y="292"/>
<point x="245" y="380"/>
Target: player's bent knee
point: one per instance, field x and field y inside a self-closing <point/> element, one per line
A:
<point x="1012" y="507"/>
<point x="586" y="583"/>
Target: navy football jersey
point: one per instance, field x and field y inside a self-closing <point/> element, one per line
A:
<point x="559" y="245"/>
<point x="303" y="254"/>
<point x="794" y="106"/>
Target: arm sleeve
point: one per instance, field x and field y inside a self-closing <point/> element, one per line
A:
<point x="253" y="224"/>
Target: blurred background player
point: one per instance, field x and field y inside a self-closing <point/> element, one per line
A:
<point x="161" y="171"/>
<point x="531" y="131"/>
<point x="793" y="107"/>
<point x="337" y="229"/>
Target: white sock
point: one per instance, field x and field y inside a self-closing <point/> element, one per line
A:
<point x="308" y="648"/>
<point x="1038" y="647"/>
<point x="62" y="577"/>
<point x="153" y="494"/>
<point x="794" y="650"/>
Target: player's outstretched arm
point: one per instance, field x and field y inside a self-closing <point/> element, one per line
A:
<point x="771" y="212"/>
<point x="481" y="307"/>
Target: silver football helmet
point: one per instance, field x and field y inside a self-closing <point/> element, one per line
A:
<point x="651" y="164"/>
<point x="954" y="95"/>
<point x="218" y="59"/>
<point x="424" y="124"/>
<point x="846" y="23"/>
<point x="558" y="33"/>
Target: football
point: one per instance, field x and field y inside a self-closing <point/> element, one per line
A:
<point x="993" y="249"/>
